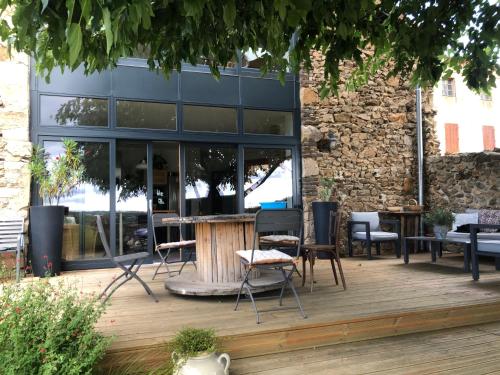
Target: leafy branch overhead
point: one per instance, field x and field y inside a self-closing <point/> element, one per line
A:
<point x="422" y="39"/>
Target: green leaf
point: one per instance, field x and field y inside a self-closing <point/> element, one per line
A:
<point x="107" y="28"/>
<point x="280" y="5"/>
<point x="86" y="6"/>
<point x="229" y="13"/>
<point x="74" y="42"/>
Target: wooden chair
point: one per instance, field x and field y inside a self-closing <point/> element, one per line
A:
<point x="129" y="263"/>
<point x="12" y="239"/>
<point x="164" y="248"/>
<point x="266" y="221"/>
<point x="310" y="251"/>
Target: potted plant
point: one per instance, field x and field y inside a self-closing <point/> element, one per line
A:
<point x="56" y="178"/>
<point x="441" y="219"/>
<point x="321" y="210"/>
<point x="194" y="353"/>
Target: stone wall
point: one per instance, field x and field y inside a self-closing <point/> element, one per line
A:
<point x="373" y="155"/>
<point x="15" y="147"/>
<point x="464" y="181"/>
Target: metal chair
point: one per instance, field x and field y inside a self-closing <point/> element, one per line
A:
<point x="310" y="251"/>
<point x="266" y="221"/>
<point x="12" y="239"/>
<point x="365" y="227"/>
<point x="164" y="248"/>
<point x="129" y="271"/>
<point x="483" y="247"/>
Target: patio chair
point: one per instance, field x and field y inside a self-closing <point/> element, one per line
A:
<point x="282" y="220"/>
<point x="311" y="251"/>
<point x="12" y="239"/>
<point x="365" y="227"/>
<point x="129" y="263"/>
<point x="164" y="248"/>
<point x="489" y="248"/>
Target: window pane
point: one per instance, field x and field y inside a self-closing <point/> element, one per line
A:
<point x="81" y="239"/>
<point x="209" y="119"/>
<point x="268" y="122"/>
<point x="210" y="180"/>
<point x="145" y="115"/>
<point x="268" y="177"/>
<point x="71" y="111"/>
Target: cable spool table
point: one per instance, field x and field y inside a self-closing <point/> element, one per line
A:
<point x="219" y="271"/>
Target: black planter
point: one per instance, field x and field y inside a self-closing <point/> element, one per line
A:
<point x="46" y="229"/>
<point x="321" y="215"/>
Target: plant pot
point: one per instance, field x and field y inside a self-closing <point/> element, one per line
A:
<point x="204" y="363"/>
<point x="46" y="234"/>
<point x="440" y="231"/>
<point x="321" y="215"/>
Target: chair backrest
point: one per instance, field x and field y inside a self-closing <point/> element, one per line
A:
<point x="280" y="220"/>
<point x="334" y="227"/>
<point x="159" y="223"/>
<point x="102" y="235"/>
<point x="371" y="217"/>
<point x="10" y="230"/>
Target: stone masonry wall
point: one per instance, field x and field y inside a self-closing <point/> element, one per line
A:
<point x="15" y="147"/>
<point x="373" y="156"/>
<point x="464" y="181"/>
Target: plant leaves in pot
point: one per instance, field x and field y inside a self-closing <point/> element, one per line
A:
<point x="441" y="220"/>
<point x="56" y="178"/>
<point x="321" y="213"/>
<point x="194" y="352"/>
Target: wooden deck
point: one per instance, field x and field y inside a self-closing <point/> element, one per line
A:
<point x="384" y="298"/>
<point x="466" y="350"/>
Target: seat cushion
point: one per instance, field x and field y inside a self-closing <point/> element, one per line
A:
<point x="376" y="236"/>
<point x="480" y="235"/>
<point x="175" y="245"/>
<point x="279" y="238"/>
<point x="465" y="218"/>
<point x="265" y="256"/>
<point x="489" y="246"/>
<point x="371" y="217"/>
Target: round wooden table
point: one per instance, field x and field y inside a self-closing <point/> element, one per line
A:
<point x="219" y="270"/>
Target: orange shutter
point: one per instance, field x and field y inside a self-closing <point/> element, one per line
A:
<point x="488" y="137"/>
<point x="451" y="138"/>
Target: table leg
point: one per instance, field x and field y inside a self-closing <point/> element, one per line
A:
<point x="467" y="258"/>
<point x="415" y="233"/>
<point x="497" y="264"/>
<point x="405" y="251"/>
<point x="433" y="251"/>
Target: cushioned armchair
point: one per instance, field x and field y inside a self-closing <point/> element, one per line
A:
<point x="486" y="247"/>
<point x="365" y="227"/>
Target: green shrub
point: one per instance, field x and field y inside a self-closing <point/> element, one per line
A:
<point x="47" y="329"/>
<point x="440" y="216"/>
<point x="326" y="187"/>
<point x="191" y="341"/>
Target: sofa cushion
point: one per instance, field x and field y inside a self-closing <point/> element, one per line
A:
<point x="465" y="218"/>
<point x="489" y="246"/>
<point x="480" y="235"/>
<point x="489" y="217"/>
<point x="376" y="236"/>
<point x="371" y="217"/>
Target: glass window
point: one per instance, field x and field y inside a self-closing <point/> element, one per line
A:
<point x="210" y="184"/>
<point x="209" y="119"/>
<point x="145" y="115"/>
<point x="268" y="122"/>
<point x="81" y="239"/>
<point x="448" y="87"/>
<point x="268" y="177"/>
<point x="72" y="111"/>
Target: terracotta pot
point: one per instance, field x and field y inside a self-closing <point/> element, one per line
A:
<point x="205" y="363"/>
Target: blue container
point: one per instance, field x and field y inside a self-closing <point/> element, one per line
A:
<point x="272" y="205"/>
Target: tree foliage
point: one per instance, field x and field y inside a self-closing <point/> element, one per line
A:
<point x="423" y="38"/>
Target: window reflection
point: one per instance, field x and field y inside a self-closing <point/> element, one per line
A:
<point x="145" y="115"/>
<point x="209" y="119"/>
<point x="72" y="111"/>
<point x="268" y="122"/>
<point x="91" y="197"/>
<point x="210" y="185"/>
<point x="268" y="177"/>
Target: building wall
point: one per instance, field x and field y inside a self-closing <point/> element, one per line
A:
<point x="469" y="112"/>
<point x="373" y="160"/>
<point x="15" y="146"/>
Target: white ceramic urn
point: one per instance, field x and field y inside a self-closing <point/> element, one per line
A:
<point x="203" y="364"/>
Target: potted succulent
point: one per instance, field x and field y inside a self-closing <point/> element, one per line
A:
<point x="441" y="219"/>
<point x="56" y="178"/>
<point x="194" y="353"/>
<point x="321" y="210"/>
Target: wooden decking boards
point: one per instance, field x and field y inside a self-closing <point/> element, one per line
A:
<point x="384" y="297"/>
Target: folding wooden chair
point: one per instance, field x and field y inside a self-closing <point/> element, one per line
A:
<point x="282" y="220"/>
<point x="129" y="271"/>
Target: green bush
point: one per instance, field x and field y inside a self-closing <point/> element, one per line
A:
<point x="48" y="329"/>
<point x="191" y="341"/>
<point x="440" y="216"/>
